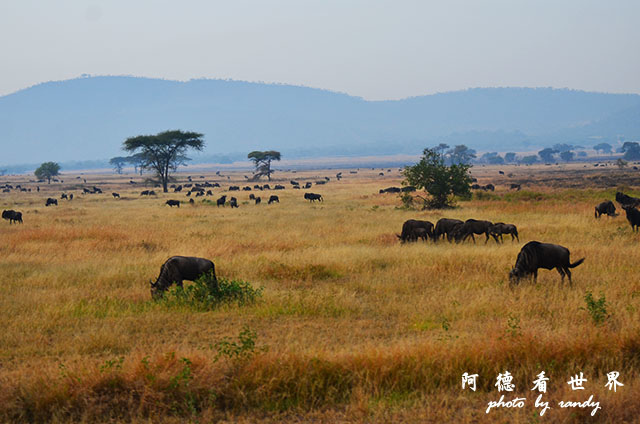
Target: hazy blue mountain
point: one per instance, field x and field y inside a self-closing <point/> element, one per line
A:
<point x="89" y="118"/>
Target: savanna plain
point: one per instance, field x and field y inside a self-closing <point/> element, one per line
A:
<point x="346" y="325"/>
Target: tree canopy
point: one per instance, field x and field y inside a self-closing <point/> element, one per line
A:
<point x="603" y="147"/>
<point x="163" y="152"/>
<point x="118" y="162"/>
<point x="262" y="162"/>
<point x="546" y="154"/>
<point x="631" y="150"/>
<point x="442" y="182"/>
<point x="47" y="170"/>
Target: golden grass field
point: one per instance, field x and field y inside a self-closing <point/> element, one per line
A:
<point x="352" y="326"/>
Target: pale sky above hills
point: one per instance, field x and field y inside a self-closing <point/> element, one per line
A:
<point x="368" y="48"/>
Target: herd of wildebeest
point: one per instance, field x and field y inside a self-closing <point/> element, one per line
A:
<point x="533" y="255"/>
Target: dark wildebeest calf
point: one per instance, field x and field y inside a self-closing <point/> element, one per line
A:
<point x="273" y="199"/>
<point x="173" y="203"/>
<point x="605" y="208"/>
<point x="471" y="227"/>
<point x="233" y="202"/>
<point x="12" y="215"/>
<point x="500" y="228"/>
<point x="633" y="216"/>
<point x="221" y="200"/>
<point x="115" y="195"/>
<point x="535" y="255"/>
<point x="179" y="268"/>
<point x="51" y="201"/>
<point x="445" y="226"/>
<point x="413" y="229"/>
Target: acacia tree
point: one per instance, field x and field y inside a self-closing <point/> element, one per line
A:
<point x="442" y="182"/>
<point x="163" y="152"/>
<point x="47" y="171"/>
<point x="262" y="162"/>
<point x="118" y="162"/>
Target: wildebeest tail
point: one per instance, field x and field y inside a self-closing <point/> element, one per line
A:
<point x="575" y="264"/>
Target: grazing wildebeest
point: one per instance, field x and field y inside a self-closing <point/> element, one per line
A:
<point x="500" y="228"/>
<point x="115" y="195"/>
<point x="471" y="227"/>
<point x="633" y="216"/>
<point x="312" y="197"/>
<point x="87" y="191"/>
<point x="390" y="190"/>
<point x="273" y="199"/>
<point x="535" y="255"/>
<point x="234" y="188"/>
<point x="192" y="201"/>
<point x="501" y="172"/>
<point x="258" y="200"/>
<point x="307" y="185"/>
<point x="625" y="200"/>
<point x="221" y="200"/>
<point x="12" y="215"/>
<point x="144" y="193"/>
<point x="408" y="189"/>
<point x="489" y="187"/>
<point x="606" y="207"/>
<point x="445" y="226"/>
<point x="517" y="187"/>
<point x="199" y="193"/>
<point x="51" y="201"/>
<point x="246" y="188"/>
<point x="252" y="196"/>
<point x="266" y="187"/>
<point x="294" y="182"/>
<point x="412" y="229"/>
<point x="233" y="202"/>
<point x="173" y="203"/>
<point x="152" y="193"/>
<point x="64" y="196"/>
<point x="177" y="189"/>
<point x="71" y="196"/>
<point x="279" y="187"/>
<point x="179" y="268"/>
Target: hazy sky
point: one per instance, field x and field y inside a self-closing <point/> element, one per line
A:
<point x="368" y="48"/>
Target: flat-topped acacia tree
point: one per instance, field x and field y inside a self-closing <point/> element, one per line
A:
<point x="262" y="162"/>
<point x="164" y="152"/>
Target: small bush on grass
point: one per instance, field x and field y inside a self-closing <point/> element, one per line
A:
<point x="206" y="293"/>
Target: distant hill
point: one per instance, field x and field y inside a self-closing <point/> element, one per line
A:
<point x="89" y="118"/>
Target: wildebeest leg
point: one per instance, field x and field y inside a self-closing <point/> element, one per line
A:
<point x="179" y="283"/>
<point x="535" y="276"/>
<point x="561" y="271"/>
<point x="568" y="275"/>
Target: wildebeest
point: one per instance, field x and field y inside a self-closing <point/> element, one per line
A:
<point x="12" y="215"/>
<point x="246" y="188"/>
<point x="252" y="196"/>
<point x="234" y="188"/>
<point x="144" y="193"/>
<point x="412" y="229"/>
<point x="115" y="195"/>
<point x="606" y="207"/>
<point x="471" y="227"/>
<point x="633" y="216"/>
<point x="179" y="268"/>
<point x="515" y="187"/>
<point x="408" y="189"/>
<point x="294" y="182"/>
<point x="307" y="184"/>
<point x="71" y="196"/>
<point x="535" y="255"/>
<point x="266" y="187"/>
<point x="233" y="202"/>
<point x="177" y="189"/>
<point x="51" y="201"/>
<point x="273" y="199"/>
<point x="489" y="187"/>
<point x="390" y="190"/>
<point x="258" y="200"/>
<point x="500" y="228"/>
<point x="445" y="226"/>
<point x="625" y="200"/>
<point x="221" y="200"/>
<point x="312" y="197"/>
<point x="173" y="203"/>
<point x="191" y="201"/>
<point x="64" y="196"/>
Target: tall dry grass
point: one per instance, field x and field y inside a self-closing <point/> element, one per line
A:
<point x="354" y="325"/>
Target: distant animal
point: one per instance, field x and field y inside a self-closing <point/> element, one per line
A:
<point x="445" y="226"/>
<point x="279" y="187"/>
<point x="209" y="193"/>
<point x="258" y="200"/>
<point x="115" y="195"/>
<point x="234" y="188"/>
<point x="266" y="187"/>
<point x="390" y="190"/>
<point x="12" y="216"/>
<point x="221" y="201"/>
<point x="408" y="189"/>
<point x="296" y="187"/>
<point x="307" y="185"/>
<point x="535" y="255"/>
<point x="294" y="182"/>
<point x="191" y="201"/>
<point x="413" y="229"/>
<point x="64" y="196"/>
<point x="152" y="193"/>
<point x="515" y="187"/>
<point x="501" y="172"/>
<point x="71" y="196"/>
<point x="321" y="182"/>
<point x="51" y="201"/>
<point x="273" y="199"/>
<point x="606" y="207"/>
<point x="199" y="193"/>
<point x="633" y="216"/>
<point x="177" y="189"/>
<point x="625" y="200"/>
<point x="179" y="268"/>
<point x="489" y="187"/>
<point x="312" y="197"/>
<point x="233" y="202"/>
<point x="173" y="203"/>
<point x="252" y="196"/>
<point x="500" y="228"/>
<point x="144" y="193"/>
<point x="476" y="186"/>
<point x="471" y="227"/>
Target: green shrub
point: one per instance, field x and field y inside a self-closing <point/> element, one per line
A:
<point x="596" y="308"/>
